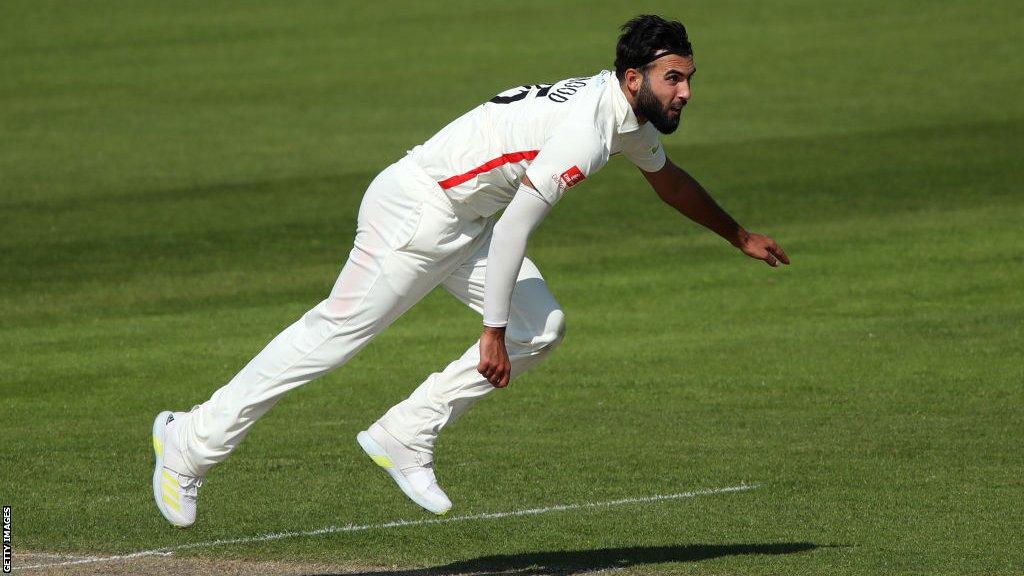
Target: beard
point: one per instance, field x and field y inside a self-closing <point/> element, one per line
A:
<point x="649" y="107"/>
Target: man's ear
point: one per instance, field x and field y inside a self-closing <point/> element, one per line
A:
<point x="633" y="79"/>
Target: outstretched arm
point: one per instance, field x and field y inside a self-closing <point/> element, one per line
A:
<point x="679" y="190"/>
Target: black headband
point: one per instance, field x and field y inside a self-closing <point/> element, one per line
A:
<point x="662" y="52"/>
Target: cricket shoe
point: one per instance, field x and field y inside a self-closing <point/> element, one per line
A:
<point x="176" y="493"/>
<point x="412" y="470"/>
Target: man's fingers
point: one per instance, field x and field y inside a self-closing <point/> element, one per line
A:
<point x="765" y="248"/>
<point x="485" y="370"/>
<point x="498" y="376"/>
<point x="779" y="253"/>
<point x="495" y="367"/>
<point x="502" y="377"/>
<point x="490" y="372"/>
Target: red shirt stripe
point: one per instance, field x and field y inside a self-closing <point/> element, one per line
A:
<point x="527" y="155"/>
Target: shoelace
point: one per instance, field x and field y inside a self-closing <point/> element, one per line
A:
<point x="428" y="466"/>
<point x="190" y="484"/>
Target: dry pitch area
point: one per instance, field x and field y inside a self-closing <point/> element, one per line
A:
<point x="171" y="566"/>
<point x="556" y="564"/>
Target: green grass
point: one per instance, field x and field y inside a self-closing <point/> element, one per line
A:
<point x="178" y="182"/>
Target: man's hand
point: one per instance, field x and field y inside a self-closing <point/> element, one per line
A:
<point x="761" y="247"/>
<point x="494" y="363"/>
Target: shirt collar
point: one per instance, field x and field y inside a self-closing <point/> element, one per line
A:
<point x="624" y="117"/>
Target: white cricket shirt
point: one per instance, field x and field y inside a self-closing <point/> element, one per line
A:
<point x="557" y="134"/>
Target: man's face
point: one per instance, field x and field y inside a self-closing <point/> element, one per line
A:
<point x="664" y="91"/>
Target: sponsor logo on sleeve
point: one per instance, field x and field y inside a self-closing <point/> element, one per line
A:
<point x="570" y="178"/>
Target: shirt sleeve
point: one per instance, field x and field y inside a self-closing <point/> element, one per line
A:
<point x="646" y="150"/>
<point x="506" y="253"/>
<point x="574" y="152"/>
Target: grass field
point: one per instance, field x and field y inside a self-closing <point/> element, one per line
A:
<point x="179" y="181"/>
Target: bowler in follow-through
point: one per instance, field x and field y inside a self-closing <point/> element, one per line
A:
<point x="432" y="218"/>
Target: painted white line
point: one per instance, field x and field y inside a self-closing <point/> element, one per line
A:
<point x="401" y="524"/>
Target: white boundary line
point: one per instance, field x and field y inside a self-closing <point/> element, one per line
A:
<point x="170" y="550"/>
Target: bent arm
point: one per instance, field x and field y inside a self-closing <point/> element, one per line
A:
<point x="507" y="250"/>
<point x="504" y="259"/>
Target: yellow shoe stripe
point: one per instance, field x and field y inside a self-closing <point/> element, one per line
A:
<point x="158" y="445"/>
<point x="172" y="503"/>
<point x="172" y="491"/>
<point x="382" y="461"/>
<point x="169" y="476"/>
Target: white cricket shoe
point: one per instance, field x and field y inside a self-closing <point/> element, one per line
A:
<point x="176" y="493"/>
<point x="412" y="470"/>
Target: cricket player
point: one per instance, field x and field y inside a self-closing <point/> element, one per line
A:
<point x="432" y="218"/>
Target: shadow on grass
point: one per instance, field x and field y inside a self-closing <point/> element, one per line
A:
<point x="575" y="562"/>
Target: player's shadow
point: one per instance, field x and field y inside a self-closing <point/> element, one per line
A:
<point x="564" y="563"/>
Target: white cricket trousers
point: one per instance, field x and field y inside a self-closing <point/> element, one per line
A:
<point x="410" y="238"/>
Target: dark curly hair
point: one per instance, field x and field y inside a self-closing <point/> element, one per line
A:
<point x="643" y="36"/>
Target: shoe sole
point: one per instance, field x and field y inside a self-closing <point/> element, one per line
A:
<point x="159" y="430"/>
<point x="376" y="453"/>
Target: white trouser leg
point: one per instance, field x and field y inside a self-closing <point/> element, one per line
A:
<point x="408" y="239"/>
<point x="536" y="325"/>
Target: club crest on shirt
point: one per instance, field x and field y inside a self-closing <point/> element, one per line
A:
<point x="570" y="178"/>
